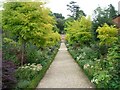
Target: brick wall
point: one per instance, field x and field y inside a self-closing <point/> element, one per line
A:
<point x="117" y="21"/>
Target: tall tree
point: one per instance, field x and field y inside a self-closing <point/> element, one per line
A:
<point x="58" y="15"/>
<point x="102" y="16"/>
<point x="60" y="22"/>
<point x="75" y="10"/>
<point x="78" y="31"/>
<point x="108" y="36"/>
<point x="29" y="22"/>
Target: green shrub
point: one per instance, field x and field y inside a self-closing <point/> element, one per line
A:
<point x="35" y="55"/>
<point x="36" y="80"/>
<point x="103" y="72"/>
<point x="28" y="72"/>
<point x="90" y="53"/>
<point x="113" y="65"/>
<point x="101" y="79"/>
<point x="22" y="84"/>
<point x="10" y="49"/>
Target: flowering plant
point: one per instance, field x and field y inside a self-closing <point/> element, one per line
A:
<point x="28" y="71"/>
<point x="101" y="78"/>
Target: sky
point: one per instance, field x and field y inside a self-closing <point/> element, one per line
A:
<point x="88" y="6"/>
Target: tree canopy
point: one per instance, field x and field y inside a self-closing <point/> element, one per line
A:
<point x="29" y="22"/>
<point x="107" y="34"/>
<point x="79" y="30"/>
<point x="60" y="22"/>
<point x="75" y="10"/>
<point x="103" y="15"/>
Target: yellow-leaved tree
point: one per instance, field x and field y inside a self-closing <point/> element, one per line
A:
<point x="29" y="22"/>
<point x="78" y="31"/>
<point x="107" y="35"/>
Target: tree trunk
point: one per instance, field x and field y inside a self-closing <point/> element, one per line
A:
<point x="23" y="52"/>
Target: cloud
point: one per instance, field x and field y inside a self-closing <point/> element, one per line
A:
<point x="88" y="6"/>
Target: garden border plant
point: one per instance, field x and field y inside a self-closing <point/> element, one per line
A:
<point x="31" y="83"/>
<point x="36" y="81"/>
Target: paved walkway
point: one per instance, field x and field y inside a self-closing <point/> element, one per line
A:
<point x="64" y="73"/>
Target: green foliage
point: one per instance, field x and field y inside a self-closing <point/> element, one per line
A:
<point x="22" y="84"/>
<point x="101" y="16"/>
<point x="103" y="72"/>
<point x="107" y="35"/>
<point x="29" y="22"/>
<point x="28" y="72"/>
<point x="60" y="22"/>
<point x="37" y="56"/>
<point x="79" y="30"/>
<point x="9" y="41"/>
<point x="101" y="79"/>
<point x="75" y="10"/>
<point x="10" y="49"/>
<point x="35" y="81"/>
<point x="100" y="60"/>
<point x="113" y="65"/>
<point x="30" y="75"/>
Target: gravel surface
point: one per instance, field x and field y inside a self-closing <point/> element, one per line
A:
<point x="64" y="73"/>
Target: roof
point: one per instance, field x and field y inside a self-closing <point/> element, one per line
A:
<point x="116" y="16"/>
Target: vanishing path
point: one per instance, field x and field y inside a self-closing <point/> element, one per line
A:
<point x="64" y="73"/>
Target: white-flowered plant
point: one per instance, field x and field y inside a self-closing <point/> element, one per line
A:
<point x="81" y="56"/>
<point x="86" y="66"/>
<point x="28" y="71"/>
<point x="101" y="77"/>
<point x="35" y="67"/>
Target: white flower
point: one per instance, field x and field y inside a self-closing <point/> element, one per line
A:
<point x="91" y="66"/>
<point x="39" y="65"/>
<point x="38" y="69"/>
<point x="21" y="67"/>
<point x="78" y="58"/>
<point x="86" y="66"/>
<point x="28" y="64"/>
<point x="95" y="59"/>
<point x="96" y="81"/>
<point x="92" y="80"/>
<point x="34" y="69"/>
<point x="32" y="65"/>
<point x="26" y="67"/>
<point x="84" y="53"/>
<point x="36" y="59"/>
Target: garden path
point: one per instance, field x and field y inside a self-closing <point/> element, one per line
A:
<point x="64" y="72"/>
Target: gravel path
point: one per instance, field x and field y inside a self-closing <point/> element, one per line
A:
<point x="64" y="73"/>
